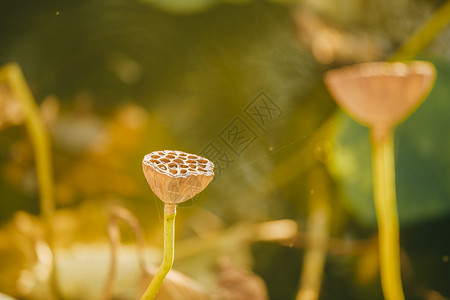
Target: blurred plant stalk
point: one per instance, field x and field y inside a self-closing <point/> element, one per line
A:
<point x="116" y="214"/>
<point x="12" y="75"/>
<point x="386" y="209"/>
<point x="424" y="35"/>
<point x="317" y="237"/>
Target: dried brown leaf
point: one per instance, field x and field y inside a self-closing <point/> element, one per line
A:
<point x="239" y="284"/>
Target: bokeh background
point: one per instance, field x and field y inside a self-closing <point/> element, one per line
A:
<point x="239" y="82"/>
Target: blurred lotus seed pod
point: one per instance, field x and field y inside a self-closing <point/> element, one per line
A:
<point x="381" y="94"/>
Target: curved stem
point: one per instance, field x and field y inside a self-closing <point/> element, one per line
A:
<point x="166" y="265"/>
<point x="120" y="213"/>
<point x="13" y="76"/>
<point x="387" y="217"/>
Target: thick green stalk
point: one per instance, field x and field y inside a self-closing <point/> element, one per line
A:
<point x="166" y="265"/>
<point x="386" y="210"/>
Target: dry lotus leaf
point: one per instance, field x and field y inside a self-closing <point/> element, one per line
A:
<point x="175" y="176"/>
<point x="380" y="94"/>
<point x="239" y="284"/>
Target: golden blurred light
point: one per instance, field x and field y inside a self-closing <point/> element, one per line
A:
<point x="308" y="294"/>
<point x="277" y="230"/>
<point x="330" y="44"/>
<point x="5" y="297"/>
<point x="50" y="109"/>
<point x="43" y="252"/>
<point x="25" y="282"/>
<point x="11" y="112"/>
<point x="133" y="116"/>
<point x="125" y="68"/>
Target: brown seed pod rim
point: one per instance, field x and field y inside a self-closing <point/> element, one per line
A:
<point x="400" y="69"/>
<point x="176" y="164"/>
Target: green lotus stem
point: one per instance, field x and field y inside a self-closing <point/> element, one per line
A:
<point x="387" y="217"/>
<point x="166" y="265"/>
<point x="13" y="76"/>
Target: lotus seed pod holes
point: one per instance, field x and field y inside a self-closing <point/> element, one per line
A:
<point x="178" y="164"/>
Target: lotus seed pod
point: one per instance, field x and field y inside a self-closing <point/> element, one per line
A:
<point x="380" y="94"/>
<point x="175" y="176"/>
